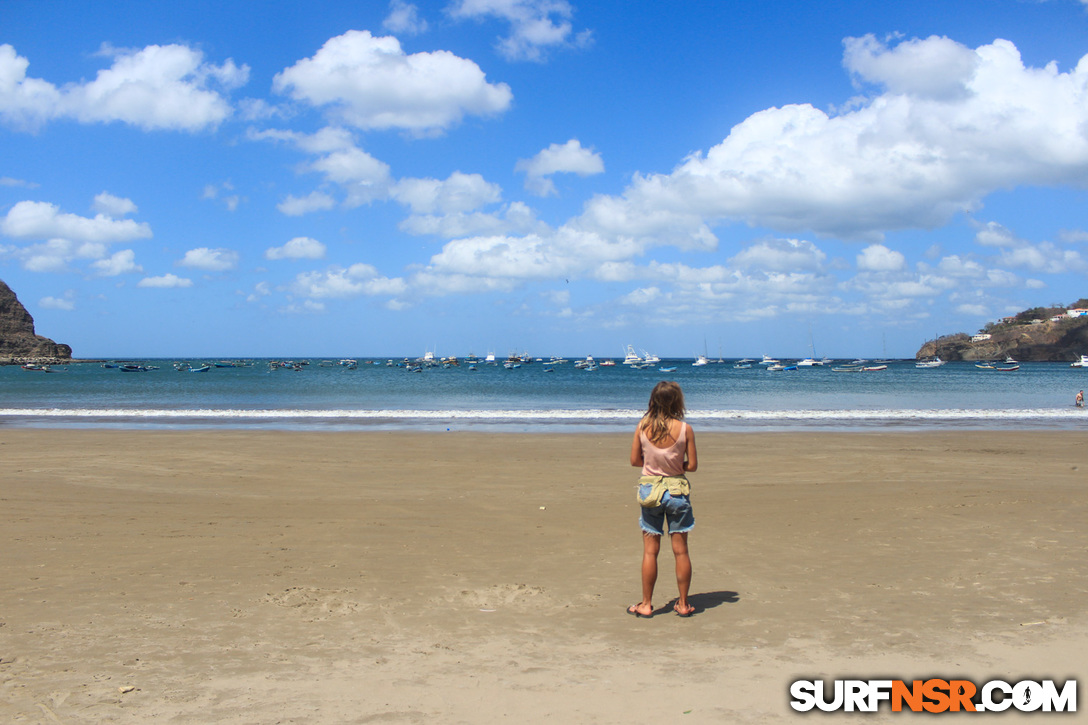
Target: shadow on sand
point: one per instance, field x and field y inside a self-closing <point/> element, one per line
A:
<point x="706" y="600"/>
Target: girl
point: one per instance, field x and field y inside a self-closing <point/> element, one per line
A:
<point x="664" y="446"/>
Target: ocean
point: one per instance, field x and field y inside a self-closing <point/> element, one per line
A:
<point x="536" y="397"/>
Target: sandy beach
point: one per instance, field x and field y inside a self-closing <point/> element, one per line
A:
<point x="280" y="577"/>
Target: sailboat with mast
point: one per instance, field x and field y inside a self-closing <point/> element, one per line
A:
<point x="810" y="361"/>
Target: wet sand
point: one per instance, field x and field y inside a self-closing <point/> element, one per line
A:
<point x="259" y="577"/>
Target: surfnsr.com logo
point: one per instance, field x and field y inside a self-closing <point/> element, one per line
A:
<point x="934" y="695"/>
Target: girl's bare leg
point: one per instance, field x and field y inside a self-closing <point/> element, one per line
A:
<point x="683" y="572"/>
<point x="651" y="546"/>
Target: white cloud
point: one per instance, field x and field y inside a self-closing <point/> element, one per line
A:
<point x="54" y="255"/>
<point x="261" y="289"/>
<point x="514" y="218"/>
<point x="404" y="18"/>
<point x="297" y="248"/>
<point x="781" y="255"/>
<point x="314" y="201"/>
<point x="122" y="262"/>
<point x="337" y="282"/>
<point x="113" y="206"/>
<point x="210" y="260"/>
<point x="370" y="83"/>
<point x="8" y="181"/>
<point x="1073" y="236"/>
<point x="65" y="303"/>
<point x="956" y="266"/>
<point x="458" y="193"/>
<point x="932" y="68"/>
<point x="878" y="258"/>
<point x="535" y="25"/>
<point x="214" y="191"/>
<point x="558" y="158"/>
<point x="158" y="87"/>
<point x="1043" y="257"/>
<point x="41" y="220"/>
<point x="975" y="310"/>
<point x="166" y="281"/>
<point x="993" y="234"/>
<point x="363" y="177"/>
<point x="911" y="157"/>
<point x="563" y="253"/>
<point x="642" y="297"/>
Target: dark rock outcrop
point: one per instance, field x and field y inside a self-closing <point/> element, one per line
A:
<point x="1048" y="341"/>
<point x="17" y="339"/>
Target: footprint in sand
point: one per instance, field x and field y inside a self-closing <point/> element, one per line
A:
<point x="502" y="596"/>
<point x="314" y="602"/>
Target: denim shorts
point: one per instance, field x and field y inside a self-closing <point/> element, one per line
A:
<point x="675" y="509"/>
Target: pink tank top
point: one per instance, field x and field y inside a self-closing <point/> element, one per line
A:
<point x="664" y="461"/>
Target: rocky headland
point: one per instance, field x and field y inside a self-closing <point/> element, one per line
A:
<point x="18" y="342"/>
<point x="1037" y="335"/>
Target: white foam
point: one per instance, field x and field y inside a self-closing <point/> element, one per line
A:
<point x="543" y="415"/>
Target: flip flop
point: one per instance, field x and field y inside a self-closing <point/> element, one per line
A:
<point x="633" y="611"/>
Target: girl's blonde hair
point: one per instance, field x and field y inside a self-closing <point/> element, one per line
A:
<point x="666" y="404"/>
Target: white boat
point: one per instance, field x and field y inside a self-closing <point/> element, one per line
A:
<point x="936" y="362"/>
<point x="1082" y="363"/>
<point x="490" y="359"/>
<point x="631" y="357"/>
<point x="809" y="362"/>
<point x="607" y="363"/>
<point x="700" y="361"/>
<point x="649" y="358"/>
<point x="768" y="360"/>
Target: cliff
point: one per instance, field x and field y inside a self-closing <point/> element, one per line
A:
<point x="1044" y="341"/>
<point x="17" y="339"/>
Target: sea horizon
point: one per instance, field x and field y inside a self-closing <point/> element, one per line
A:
<point x="326" y="395"/>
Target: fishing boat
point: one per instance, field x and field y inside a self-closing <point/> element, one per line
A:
<point x="996" y="368"/>
<point x="202" y="369"/>
<point x="669" y="370"/>
<point x="1082" y="363"/>
<point x="700" y="361"/>
<point x="631" y="357"/>
<point x="934" y="362"/>
<point x="768" y="360"/>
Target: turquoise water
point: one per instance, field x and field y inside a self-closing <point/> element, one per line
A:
<point x="538" y="397"/>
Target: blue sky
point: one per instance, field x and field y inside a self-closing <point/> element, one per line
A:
<point x="370" y="178"/>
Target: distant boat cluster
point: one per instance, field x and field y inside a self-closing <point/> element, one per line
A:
<point x="633" y="359"/>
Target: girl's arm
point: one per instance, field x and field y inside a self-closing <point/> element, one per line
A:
<point x="636" y="450"/>
<point x="692" y="462"/>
